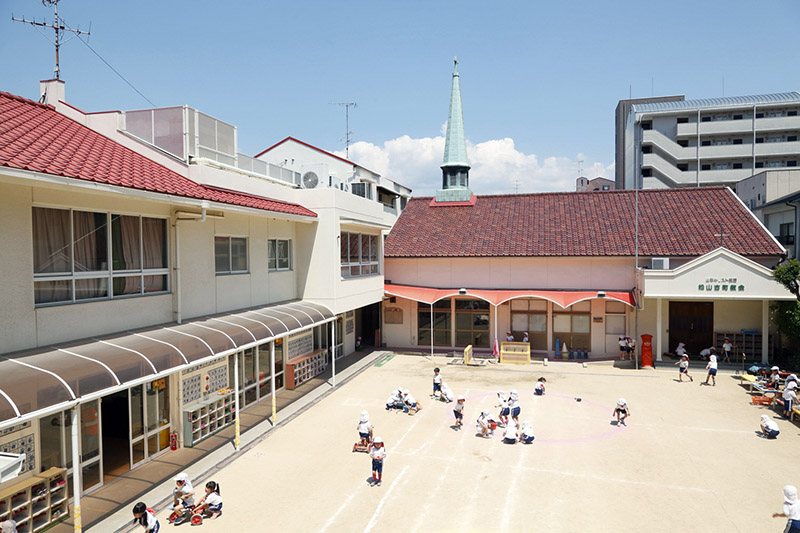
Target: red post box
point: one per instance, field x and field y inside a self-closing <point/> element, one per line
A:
<point x="173" y="441"/>
<point x="647" y="351"/>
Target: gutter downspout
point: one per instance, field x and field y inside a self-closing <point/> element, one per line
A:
<point x="796" y="222"/>
<point x="203" y="215"/>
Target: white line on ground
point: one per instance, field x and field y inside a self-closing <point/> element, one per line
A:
<point x="341" y="508"/>
<point x="374" y="518"/>
<point x="511" y="496"/>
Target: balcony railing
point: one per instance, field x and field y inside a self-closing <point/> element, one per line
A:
<point x="785" y="239"/>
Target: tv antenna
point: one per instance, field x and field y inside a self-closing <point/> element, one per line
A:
<point x="60" y="28"/>
<point x="347" y="106"/>
<point x="580" y="167"/>
<point x="516" y="186"/>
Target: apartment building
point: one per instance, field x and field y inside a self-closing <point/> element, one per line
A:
<point x="774" y="196"/>
<point x="583" y="184"/>
<point x="714" y="141"/>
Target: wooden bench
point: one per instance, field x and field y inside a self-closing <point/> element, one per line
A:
<point x="515" y="352"/>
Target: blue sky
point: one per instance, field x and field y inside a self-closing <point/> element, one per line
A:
<point x="539" y="81"/>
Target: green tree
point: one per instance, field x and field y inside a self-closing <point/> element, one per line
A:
<point x="786" y="314"/>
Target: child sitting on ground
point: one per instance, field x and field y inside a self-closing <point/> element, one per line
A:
<point x="411" y="405"/>
<point x="458" y="412"/>
<point x="446" y="394"/>
<point x="395" y="400"/>
<point x="510" y="434"/>
<point x="504" y="410"/>
<point x="526" y="435"/>
<point x="211" y="503"/>
<point x="484" y="426"/>
<point x="143" y="516"/>
<point x="539" y="389"/>
<point x="364" y="428"/>
<point x="769" y="428"/>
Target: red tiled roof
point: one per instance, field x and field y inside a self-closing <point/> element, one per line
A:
<point x="672" y="222"/>
<point x="35" y="137"/>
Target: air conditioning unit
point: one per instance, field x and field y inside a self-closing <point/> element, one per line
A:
<point x="314" y="176"/>
<point x="660" y="263"/>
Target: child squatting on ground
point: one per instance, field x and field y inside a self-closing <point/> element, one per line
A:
<point x="622" y="411"/>
<point x="684" y="368"/>
<point x="145" y="517"/>
<point x="447" y="395"/>
<point x="510" y="434"/>
<point x="211" y="503"/>
<point x="539" y="389"/>
<point x="377" y="453"/>
<point x="791" y="509"/>
<point x="395" y="400"/>
<point x="485" y="423"/>
<point x="458" y="412"/>
<point x="769" y="428"/>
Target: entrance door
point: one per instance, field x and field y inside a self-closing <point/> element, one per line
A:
<point x="691" y="323"/>
<point x="116" y="447"/>
<point x="367" y="323"/>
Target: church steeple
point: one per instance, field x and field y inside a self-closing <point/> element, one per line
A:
<point x="455" y="168"/>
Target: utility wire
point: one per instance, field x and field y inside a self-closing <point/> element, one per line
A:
<point x="116" y="72"/>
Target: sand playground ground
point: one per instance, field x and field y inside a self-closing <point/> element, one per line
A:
<point x="689" y="459"/>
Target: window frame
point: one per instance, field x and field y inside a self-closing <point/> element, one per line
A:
<point x="230" y="271"/>
<point x="108" y="274"/>
<point x="366" y="263"/>
<point x="274" y="258"/>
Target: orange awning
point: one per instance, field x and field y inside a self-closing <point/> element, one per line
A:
<point x="563" y="299"/>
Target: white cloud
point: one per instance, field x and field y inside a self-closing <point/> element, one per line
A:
<point x="497" y="166"/>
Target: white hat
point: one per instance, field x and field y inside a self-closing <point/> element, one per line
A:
<point x="526" y="424"/>
<point x="461" y="397"/>
<point x="377" y="440"/>
<point x="183" y="477"/>
<point x="792" y="377"/>
<point x="525" y="333"/>
<point x="790" y="493"/>
<point x="485" y="413"/>
<point x="514" y="392"/>
<point x="621" y="401"/>
<point x="364" y="416"/>
<point x="764" y="418"/>
<point x="712" y="358"/>
<point x="405" y="392"/>
<point x="775" y="369"/>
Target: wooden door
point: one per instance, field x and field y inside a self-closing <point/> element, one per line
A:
<point x="691" y="323"/>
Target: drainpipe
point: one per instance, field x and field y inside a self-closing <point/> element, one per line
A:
<point x="77" y="472"/>
<point x="204" y="205"/>
<point x="796" y="221"/>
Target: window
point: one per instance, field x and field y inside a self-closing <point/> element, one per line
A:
<point x="359" y="254"/>
<point x="647" y="149"/>
<point x="615" y="318"/>
<point x="403" y="202"/>
<point x="791" y="163"/>
<point x="705" y="167"/>
<point x="683" y="120"/>
<point x="573" y="326"/>
<point x="759" y="140"/>
<point x="737" y="165"/>
<point x="759" y="164"/>
<point x="362" y="189"/>
<point x="705" y="119"/>
<point x="684" y="143"/>
<point x="472" y="323"/>
<point x="440" y="328"/>
<point x="786" y="235"/>
<point x="230" y="255"/>
<point x="683" y="167"/>
<point x="737" y="141"/>
<point x="530" y="316"/>
<point x="705" y="143"/>
<point x="647" y="172"/>
<point x="386" y="198"/>
<point x="791" y="113"/>
<point x="791" y="138"/>
<point x="647" y="125"/>
<point x="605" y="188"/>
<point x="737" y="117"/>
<point x="79" y="255"/>
<point x="280" y="254"/>
<point x="759" y="115"/>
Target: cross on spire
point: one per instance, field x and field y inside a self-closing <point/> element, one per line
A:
<point x="721" y="235"/>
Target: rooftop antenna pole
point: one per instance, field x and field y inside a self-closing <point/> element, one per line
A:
<point x="347" y="106"/>
<point x="58" y="26"/>
<point x="580" y="167"/>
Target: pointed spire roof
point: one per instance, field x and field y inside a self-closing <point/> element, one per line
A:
<point x="455" y="146"/>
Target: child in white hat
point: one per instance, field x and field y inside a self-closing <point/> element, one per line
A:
<point x="622" y="411"/>
<point x="769" y="428"/>
<point x="526" y="435"/>
<point x="364" y="428"/>
<point x="791" y="509"/>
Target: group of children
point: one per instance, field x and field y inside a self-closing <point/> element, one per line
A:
<point x="183" y="506"/>
<point x="401" y="399"/>
<point x="627" y="347"/>
<point x="683" y="369"/>
<point x="707" y="353"/>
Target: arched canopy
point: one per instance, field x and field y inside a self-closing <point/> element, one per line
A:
<point x="563" y="299"/>
<point x="38" y="381"/>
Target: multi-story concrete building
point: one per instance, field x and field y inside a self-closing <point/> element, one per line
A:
<point x="714" y="141"/>
<point x="774" y="196"/>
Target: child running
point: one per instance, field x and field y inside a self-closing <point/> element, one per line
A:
<point x="539" y="389"/>
<point x="377" y="453"/>
<point x="437" y="383"/>
<point x="458" y="412"/>
<point x="513" y="404"/>
<point x="364" y="428"/>
<point x="145" y="517"/>
<point x="712" y="370"/>
<point x="769" y="428"/>
<point x="211" y="502"/>
<point x="684" y="368"/>
<point x="791" y="509"/>
<point x="503" y="405"/>
<point x="526" y="436"/>
<point x="622" y="411"/>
